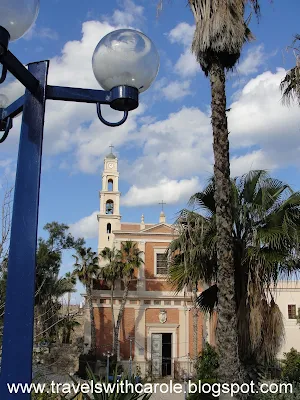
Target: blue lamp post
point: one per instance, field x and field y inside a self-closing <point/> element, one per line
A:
<point x="125" y="63"/>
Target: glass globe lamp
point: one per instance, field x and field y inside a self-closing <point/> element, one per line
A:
<point x="18" y="16"/>
<point x="125" y="57"/>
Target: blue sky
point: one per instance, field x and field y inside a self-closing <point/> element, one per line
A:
<point x="165" y="147"/>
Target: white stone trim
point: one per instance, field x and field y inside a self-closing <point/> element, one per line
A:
<point x="143" y="295"/>
<point x="142" y="233"/>
<point x="158" y="225"/>
<point x="151" y="324"/>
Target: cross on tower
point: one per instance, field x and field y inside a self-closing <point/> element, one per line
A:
<point x="162" y="205"/>
<point x="111" y="147"/>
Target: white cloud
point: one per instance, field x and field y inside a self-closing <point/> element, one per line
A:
<point x="48" y="33"/>
<point x="240" y="165"/>
<point x="176" y="90"/>
<point x="186" y="65"/>
<point x="254" y="58"/>
<point x="86" y="227"/>
<point x="75" y="127"/>
<point x="263" y="134"/>
<point x="44" y="33"/>
<point x="258" y="117"/>
<point x="176" y="147"/>
<point x="172" y="191"/>
<point x="129" y="14"/>
<point x="182" y="33"/>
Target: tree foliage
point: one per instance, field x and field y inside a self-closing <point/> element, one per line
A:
<point x="265" y="233"/>
<point x="50" y="286"/>
<point x="291" y="366"/>
<point x="86" y="269"/>
<point x="290" y="85"/>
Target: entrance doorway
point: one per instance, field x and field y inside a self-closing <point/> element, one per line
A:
<point x="161" y="354"/>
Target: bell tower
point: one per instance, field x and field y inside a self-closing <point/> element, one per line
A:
<point x="109" y="218"/>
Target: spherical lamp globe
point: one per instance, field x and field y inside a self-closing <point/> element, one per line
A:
<point x="125" y="57"/>
<point x="18" y="16"/>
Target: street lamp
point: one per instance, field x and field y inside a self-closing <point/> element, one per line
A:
<point x="125" y="63"/>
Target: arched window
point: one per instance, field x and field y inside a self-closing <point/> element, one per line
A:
<point x="110" y="184"/>
<point x="109" y="207"/>
<point x="108" y="228"/>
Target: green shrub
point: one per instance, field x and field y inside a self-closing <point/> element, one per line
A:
<point x="291" y="366"/>
<point x="206" y="370"/>
<point x="207" y="363"/>
<point x="280" y="396"/>
<point x="44" y="396"/>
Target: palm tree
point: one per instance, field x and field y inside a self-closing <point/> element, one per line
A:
<point x="131" y="262"/>
<point x="111" y="273"/>
<point x="67" y="326"/>
<point x="221" y="31"/>
<point x="87" y="269"/>
<point x="49" y="293"/>
<point x="70" y="281"/>
<point x="265" y="234"/>
<point x="121" y="265"/>
<point x="290" y="85"/>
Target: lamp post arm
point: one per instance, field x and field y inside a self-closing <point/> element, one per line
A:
<point x="13" y="110"/>
<point x="121" y="98"/>
<point x="15" y="67"/>
<point x="78" y="95"/>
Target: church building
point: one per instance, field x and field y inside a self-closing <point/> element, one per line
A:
<point x="157" y="326"/>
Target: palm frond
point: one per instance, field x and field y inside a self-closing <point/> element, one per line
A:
<point x="208" y="299"/>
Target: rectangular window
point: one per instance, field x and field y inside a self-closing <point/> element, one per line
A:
<point x="167" y="302"/>
<point x="147" y="301"/>
<point x="157" y="302"/>
<point x="161" y="264"/>
<point x="292" y="311"/>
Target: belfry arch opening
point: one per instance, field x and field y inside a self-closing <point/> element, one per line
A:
<point x="110" y="185"/>
<point x="109" y="209"/>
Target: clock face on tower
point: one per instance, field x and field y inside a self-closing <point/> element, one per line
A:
<point x="110" y="165"/>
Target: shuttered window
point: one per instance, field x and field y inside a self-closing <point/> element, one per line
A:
<point x="292" y="311"/>
<point x="161" y="264"/>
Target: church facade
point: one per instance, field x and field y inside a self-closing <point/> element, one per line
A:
<point x="157" y="326"/>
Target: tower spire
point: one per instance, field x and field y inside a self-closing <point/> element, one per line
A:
<point x="162" y="205"/>
<point x="162" y="217"/>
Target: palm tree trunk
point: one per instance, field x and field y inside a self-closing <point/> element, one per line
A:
<point x="68" y="304"/>
<point x="120" y="316"/>
<point x="195" y="324"/>
<point x="92" y="318"/>
<point x="112" y="316"/>
<point x="226" y="334"/>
